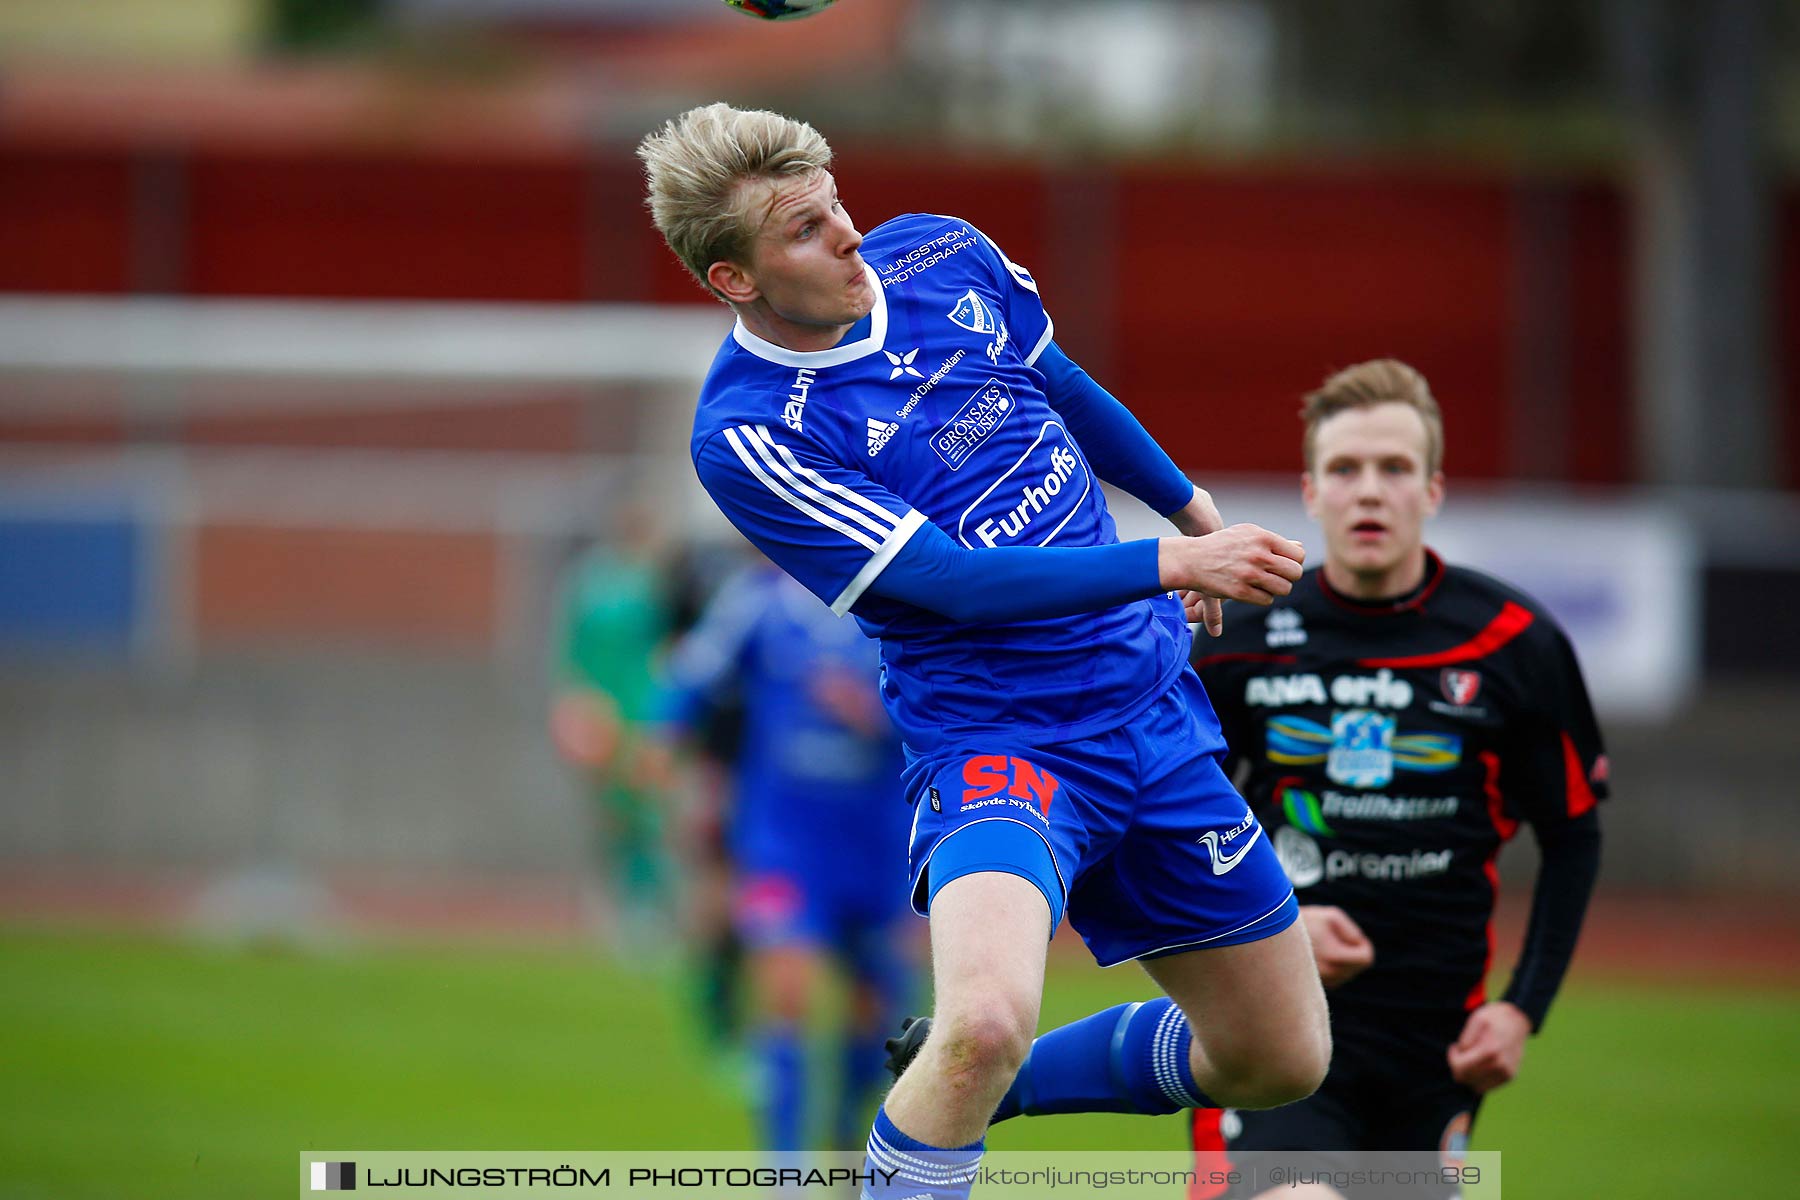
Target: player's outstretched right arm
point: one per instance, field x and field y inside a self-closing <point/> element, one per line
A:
<point x="1014" y="583"/>
<point x="841" y="534"/>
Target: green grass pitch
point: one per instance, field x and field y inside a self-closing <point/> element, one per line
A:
<point x="140" y="1066"/>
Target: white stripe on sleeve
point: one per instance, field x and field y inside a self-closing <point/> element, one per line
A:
<point x="835" y="496"/>
<point x="853" y="590"/>
<point x="1043" y="342"/>
<point x="807" y="473"/>
<point x="812" y="510"/>
<point x="1020" y="275"/>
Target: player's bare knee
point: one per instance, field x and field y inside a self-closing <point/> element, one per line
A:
<point x="1303" y="1069"/>
<point x="1273" y="1076"/>
<point x="1299" y="1069"/>
<point x="1294" y="1067"/>
<point x="982" y="1046"/>
<point x="1266" y="1089"/>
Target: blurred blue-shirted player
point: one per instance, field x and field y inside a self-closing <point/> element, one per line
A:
<point x="817" y="830"/>
<point x="892" y="423"/>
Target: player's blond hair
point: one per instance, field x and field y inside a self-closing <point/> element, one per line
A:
<point x="696" y="165"/>
<point x="1379" y="381"/>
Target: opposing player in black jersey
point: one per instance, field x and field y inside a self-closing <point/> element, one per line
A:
<point x="1395" y="720"/>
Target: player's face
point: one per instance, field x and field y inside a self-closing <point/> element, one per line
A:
<point x="808" y="279"/>
<point x="1370" y="491"/>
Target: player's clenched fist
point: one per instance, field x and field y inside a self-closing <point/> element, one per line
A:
<point x="1244" y="562"/>
<point x="1340" y="948"/>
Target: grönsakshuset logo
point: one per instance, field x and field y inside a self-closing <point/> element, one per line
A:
<point x="974" y="423"/>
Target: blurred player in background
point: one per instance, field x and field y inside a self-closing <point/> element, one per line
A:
<point x="698" y="819"/>
<point x="613" y="620"/>
<point x="1397" y="718"/>
<point x="817" y="832"/>
<point x="900" y="432"/>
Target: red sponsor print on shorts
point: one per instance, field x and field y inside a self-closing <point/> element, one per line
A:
<point x="1460" y="687"/>
<point x="987" y="775"/>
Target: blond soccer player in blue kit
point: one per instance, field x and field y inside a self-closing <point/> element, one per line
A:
<point x="892" y="422"/>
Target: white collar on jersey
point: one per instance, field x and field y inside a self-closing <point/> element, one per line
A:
<point x="836" y="356"/>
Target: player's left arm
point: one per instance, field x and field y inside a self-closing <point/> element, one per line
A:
<point x="1123" y="453"/>
<point x="1492" y="1044"/>
<point x="1556" y="767"/>
<point x="1115" y="443"/>
<point x="1117" y="446"/>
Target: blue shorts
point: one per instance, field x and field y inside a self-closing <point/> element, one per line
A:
<point x="863" y="927"/>
<point x="1136" y="831"/>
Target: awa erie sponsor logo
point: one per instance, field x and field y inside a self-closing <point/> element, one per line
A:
<point x="1380" y="690"/>
<point x="1282" y="691"/>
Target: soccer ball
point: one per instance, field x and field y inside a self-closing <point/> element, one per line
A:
<point x="780" y="10"/>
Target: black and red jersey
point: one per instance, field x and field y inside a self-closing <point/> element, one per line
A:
<point x="1392" y="748"/>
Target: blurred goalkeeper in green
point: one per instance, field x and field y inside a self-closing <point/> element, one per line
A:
<point x="614" y="618"/>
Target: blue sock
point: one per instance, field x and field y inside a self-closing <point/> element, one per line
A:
<point x="781" y="1090"/>
<point x="864" y="1059"/>
<point x="1129" y="1059"/>
<point x="906" y="1167"/>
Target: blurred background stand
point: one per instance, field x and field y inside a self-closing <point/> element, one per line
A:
<point x="327" y="329"/>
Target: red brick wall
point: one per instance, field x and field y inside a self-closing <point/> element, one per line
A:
<point x="1209" y="298"/>
<point x="255" y="584"/>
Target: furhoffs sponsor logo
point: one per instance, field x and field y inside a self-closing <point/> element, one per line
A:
<point x="1031" y="502"/>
